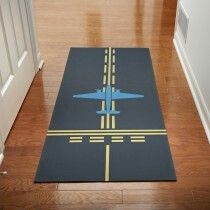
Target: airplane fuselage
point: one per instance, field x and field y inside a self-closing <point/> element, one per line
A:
<point x="108" y="98"/>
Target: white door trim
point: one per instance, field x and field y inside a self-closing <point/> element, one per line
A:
<point x="38" y="61"/>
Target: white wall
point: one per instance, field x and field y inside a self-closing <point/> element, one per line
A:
<point x="195" y="55"/>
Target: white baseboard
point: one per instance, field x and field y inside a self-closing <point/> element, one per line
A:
<point x="197" y="95"/>
<point x="1" y="158"/>
<point x="40" y="61"/>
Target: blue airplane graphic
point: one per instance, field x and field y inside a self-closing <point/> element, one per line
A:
<point x="108" y="96"/>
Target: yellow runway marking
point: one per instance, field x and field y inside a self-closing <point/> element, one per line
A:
<point x="105" y="134"/>
<point x="113" y="105"/>
<point x="117" y="137"/>
<point x="138" y="140"/>
<point x="113" y="122"/>
<point x="103" y="105"/>
<point x="107" y="159"/>
<point x="113" y="89"/>
<point x="75" y="141"/>
<point x="117" y="130"/>
<point x="108" y="121"/>
<point x="113" y="68"/>
<point x="109" y="68"/>
<point x="113" y="79"/>
<point x="117" y="140"/>
<point x="76" y="137"/>
<point x="105" y="68"/>
<point x="106" y="51"/>
<point x="96" y="137"/>
<point x="105" y="59"/>
<point x="102" y="122"/>
<point x="137" y="137"/>
<point x="96" y="141"/>
<point x="113" y="51"/>
<point x="104" y="80"/>
<point x="113" y="59"/>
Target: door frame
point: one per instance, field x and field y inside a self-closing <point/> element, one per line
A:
<point x="38" y="61"/>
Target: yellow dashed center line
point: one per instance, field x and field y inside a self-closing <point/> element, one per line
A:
<point x="105" y="59"/>
<point x="105" y="68"/>
<point x="104" y="79"/>
<point x="113" y="79"/>
<point x="113" y="59"/>
<point x="113" y="68"/>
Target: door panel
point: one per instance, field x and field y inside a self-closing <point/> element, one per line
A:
<point x="18" y="27"/>
<point x="5" y="63"/>
<point x="16" y="67"/>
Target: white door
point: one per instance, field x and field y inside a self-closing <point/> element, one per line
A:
<point x="16" y="61"/>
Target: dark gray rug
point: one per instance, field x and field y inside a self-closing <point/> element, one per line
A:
<point x="107" y="123"/>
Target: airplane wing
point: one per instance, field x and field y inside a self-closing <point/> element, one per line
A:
<point x="118" y="95"/>
<point x="99" y="95"/>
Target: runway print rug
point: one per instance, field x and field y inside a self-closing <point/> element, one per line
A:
<point x="107" y="123"/>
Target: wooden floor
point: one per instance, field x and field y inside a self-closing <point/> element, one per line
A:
<point x="118" y="23"/>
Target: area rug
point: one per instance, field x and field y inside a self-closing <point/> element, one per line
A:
<point x="107" y="123"/>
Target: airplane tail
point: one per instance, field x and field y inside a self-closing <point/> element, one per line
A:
<point x="113" y="112"/>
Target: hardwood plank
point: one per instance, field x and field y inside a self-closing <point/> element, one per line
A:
<point x="183" y="206"/>
<point x="60" y="197"/>
<point x="157" y="196"/>
<point x="182" y="183"/>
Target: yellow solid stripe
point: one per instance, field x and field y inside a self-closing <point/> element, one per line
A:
<point x="121" y="130"/>
<point x="96" y="141"/>
<point x="117" y="140"/>
<point x="138" y="140"/>
<point x="107" y="163"/>
<point x="113" y="122"/>
<point x="102" y="122"/>
<point x="105" y="134"/>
